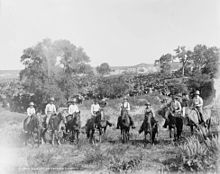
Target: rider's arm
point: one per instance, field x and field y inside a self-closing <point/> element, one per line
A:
<point x="70" y="110"/>
<point x="29" y="112"/>
<point x="128" y="107"/>
<point x="54" y="109"/>
<point x="46" y="109"/>
<point x="153" y="113"/>
<point x="179" y="107"/>
<point x="200" y="102"/>
<point x="34" y="111"/>
<point x="92" y="109"/>
<point x="120" y="107"/>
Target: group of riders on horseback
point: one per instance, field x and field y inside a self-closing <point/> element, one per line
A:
<point x="177" y="107"/>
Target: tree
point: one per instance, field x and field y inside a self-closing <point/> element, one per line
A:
<point x="52" y="67"/>
<point x="184" y="57"/>
<point x="103" y="69"/>
<point x="205" y="60"/>
<point x="165" y="61"/>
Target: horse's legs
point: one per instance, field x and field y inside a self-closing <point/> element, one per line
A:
<point x="191" y="129"/>
<point x="170" y="131"/>
<point x="100" y="135"/>
<point x="53" y="138"/>
<point x="38" y="138"/>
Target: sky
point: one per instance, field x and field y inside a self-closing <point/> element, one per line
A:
<point x="120" y="32"/>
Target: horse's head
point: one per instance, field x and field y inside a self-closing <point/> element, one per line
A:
<point x="61" y="117"/>
<point x="124" y="114"/>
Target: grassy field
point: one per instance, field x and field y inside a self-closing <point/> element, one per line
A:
<point x="111" y="156"/>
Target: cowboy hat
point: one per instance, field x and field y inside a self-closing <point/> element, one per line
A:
<point x="69" y="101"/>
<point x="51" y="99"/>
<point x="31" y="104"/>
<point x="147" y="103"/>
<point x="197" y="92"/>
<point x="125" y="98"/>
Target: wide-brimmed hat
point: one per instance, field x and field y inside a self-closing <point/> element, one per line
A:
<point x="147" y="104"/>
<point x="69" y="101"/>
<point x="51" y="98"/>
<point x="31" y="104"/>
<point x="125" y="98"/>
<point x="197" y="92"/>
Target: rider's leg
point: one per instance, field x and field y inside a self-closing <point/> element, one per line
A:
<point x="47" y="120"/>
<point x="165" y="124"/>
<point x="132" y="122"/>
<point x="166" y="119"/>
<point x="142" y="126"/>
<point x="118" y="122"/>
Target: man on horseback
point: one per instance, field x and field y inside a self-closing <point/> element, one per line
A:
<point x="50" y="110"/>
<point x="174" y="109"/>
<point x="125" y="106"/>
<point x="95" y="108"/>
<point x="30" y="112"/>
<point x="148" y="112"/>
<point x="73" y="108"/>
<point x="197" y="103"/>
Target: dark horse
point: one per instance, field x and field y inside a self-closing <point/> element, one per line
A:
<point x="150" y="126"/>
<point x="54" y="125"/>
<point x="124" y="125"/>
<point x="32" y="127"/>
<point x="73" y="126"/>
<point x="173" y="122"/>
<point x="97" y="122"/>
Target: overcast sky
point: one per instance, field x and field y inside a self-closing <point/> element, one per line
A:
<point x="120" y="32"/>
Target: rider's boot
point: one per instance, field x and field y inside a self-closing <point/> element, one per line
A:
<point x="165" y="124"/>
<point x="118" y="123"/>
<point x="132" y="123"/>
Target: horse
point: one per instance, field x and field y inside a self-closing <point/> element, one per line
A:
<point x="124" y="125"/>
<point x="194" y="121"/>
<point x="150" y="126"/>
<point x="97" y="122"/>
<point x="174" y="122"/>
<point x="73" y="126"/>
<point x="54" y="126"/>
<point x="31" y="128"/>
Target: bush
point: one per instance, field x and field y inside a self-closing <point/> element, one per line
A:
<point x="199" y="156"/>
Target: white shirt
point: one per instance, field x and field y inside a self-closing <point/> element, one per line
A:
<point x="126" y="105"/>
<point x="30" y="111"/>
<point x="95" y="108"/>
<point x="175" y="106"/>
<point x="198" y="102"/>
<point x="73" y="109"/>
<point x="50" y="108"/>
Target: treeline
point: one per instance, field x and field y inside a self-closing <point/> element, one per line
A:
<point x="62" y="70"/>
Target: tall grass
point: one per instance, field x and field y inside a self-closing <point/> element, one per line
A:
<point x="199" y="155"/>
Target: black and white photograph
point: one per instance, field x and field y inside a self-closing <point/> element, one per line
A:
<point x="109" y="86"/>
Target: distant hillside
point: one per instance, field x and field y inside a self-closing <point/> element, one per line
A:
<point x="9" y="74"/>
<point x="142" y="68"/>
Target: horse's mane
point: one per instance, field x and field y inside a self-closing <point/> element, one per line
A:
<point x="163" y="108"/>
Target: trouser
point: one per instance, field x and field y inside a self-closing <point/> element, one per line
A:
<point x="119" y="121"/>
<point x="201" y="119"/>
<point x="48" y="118"/>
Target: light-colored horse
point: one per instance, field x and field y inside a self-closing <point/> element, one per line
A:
<point x="193" y="116"/>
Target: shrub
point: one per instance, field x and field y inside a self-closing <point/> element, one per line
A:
<point x="198" y="156"/>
